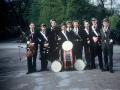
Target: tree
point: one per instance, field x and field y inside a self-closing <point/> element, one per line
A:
<point x="18" y="9"/>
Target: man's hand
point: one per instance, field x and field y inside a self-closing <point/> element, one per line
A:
<point x="32" y="44"/>
<point x="46" y="45"/>
<point x="88" y="42"/>
<point x="95" y="39"/>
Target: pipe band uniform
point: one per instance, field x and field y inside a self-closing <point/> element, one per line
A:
<point x="44" y="48"/>
<point x="77" y="41"/>
<point x="107" y="38"/>
<point x="32" y="47"/>
<point x="86" y="43"/>
<point x="53" y="35"/>
<point x="95" y="45"/>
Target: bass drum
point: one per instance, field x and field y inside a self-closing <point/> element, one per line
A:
<point x="56" y="66"/>
<point x="79" y="65"/>
<point x="67" y="45"/>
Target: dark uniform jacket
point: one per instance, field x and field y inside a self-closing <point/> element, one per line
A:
<point x="86" y="37"/>
<point x="33" y="37"/>
<point x="76" y="37"/>
<point x="93" y="34"/>
<point x="53" y="37"/>
<point x="106" y="37"/>
<point x="62" y="38"/>
<point x="42" y="41"/>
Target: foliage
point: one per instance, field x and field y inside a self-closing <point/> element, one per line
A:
<point x="21" y="12"/>
<point x="115" y="23"/>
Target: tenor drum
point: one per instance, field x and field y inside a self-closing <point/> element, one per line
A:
<point x="79" y="65"/>
<point x="56" y="66"/>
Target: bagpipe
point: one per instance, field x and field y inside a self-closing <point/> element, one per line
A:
<point x="28" y="45"/>
<point x="22" y="37"/>
<point x="30" y="49"/>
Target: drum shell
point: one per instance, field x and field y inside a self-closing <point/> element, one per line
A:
<point x="79" y="65"/>
<point x="56" y="66"/>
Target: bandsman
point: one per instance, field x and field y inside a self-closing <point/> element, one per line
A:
<point x="107" y="37"/>
<point x="53" y="33"/>
<point x="32" y="35"/>
<point x="95" y="45"/>
<point x="44" y="48"/>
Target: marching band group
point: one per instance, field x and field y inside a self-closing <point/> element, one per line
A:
<point x="95" y="40"/>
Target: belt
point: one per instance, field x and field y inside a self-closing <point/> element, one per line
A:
<point x="105" y="41"/>
<point x="77" y="40"/>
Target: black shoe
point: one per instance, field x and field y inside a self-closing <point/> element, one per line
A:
<point x="35" y="70"/>
<point x="87" y="68"/>
<point x="106" y="69"/>
<point x="112" y="71"/>
<point x="28" y="72"/>
<point x="93" y="67"/>
<point x="47" y="70"/>
<point x="40" y="70"/>
<point x="102" y="69"/>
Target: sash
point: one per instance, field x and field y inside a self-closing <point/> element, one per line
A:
<point x="77" y="34"/>
<point x="94" y="31"/>
<point x="86" y="31"/>
<point x="65" y="35"/>
<point x="44" y="36"/>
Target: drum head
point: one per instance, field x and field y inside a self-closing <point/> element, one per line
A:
<point x="79" y="65"/>
<point x="56" y="66"/>
<point x="67" y="45"/>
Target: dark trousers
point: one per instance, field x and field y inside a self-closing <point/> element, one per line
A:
<point x="77" y="50"/>
<point x="87" y="56"/>
<point x="108" y="53"/>
<point x="31" y="62"/>
<point x="44" y="61"/>
<point x="98" y="53"/>
<point x="54" y="54"/>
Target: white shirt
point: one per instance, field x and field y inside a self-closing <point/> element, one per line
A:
<point x="32" y="31"/>
<point x="69" y="29"/>
<point x="95" y="26"/>
<point x="75" y="30"/>
<point x="105" y="28"/>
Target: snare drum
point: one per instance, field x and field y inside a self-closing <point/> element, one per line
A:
<point x="79" y="65"/>
<point x="56" y="66"/>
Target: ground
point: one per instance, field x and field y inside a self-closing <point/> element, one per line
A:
<point x="13" y="73"/>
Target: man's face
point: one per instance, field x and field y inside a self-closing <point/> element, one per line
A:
<point x="63" y="27"/>
<point x="69" y="25"/>
<point x="75" y="24"/>
<point x="43" y="28"/>
<point x="53" y="23"/>
<point x="105" y="24"/>
<point x="86" y="25"/>
<point x="32" y="26"/>
<point x="94" y="22"/>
